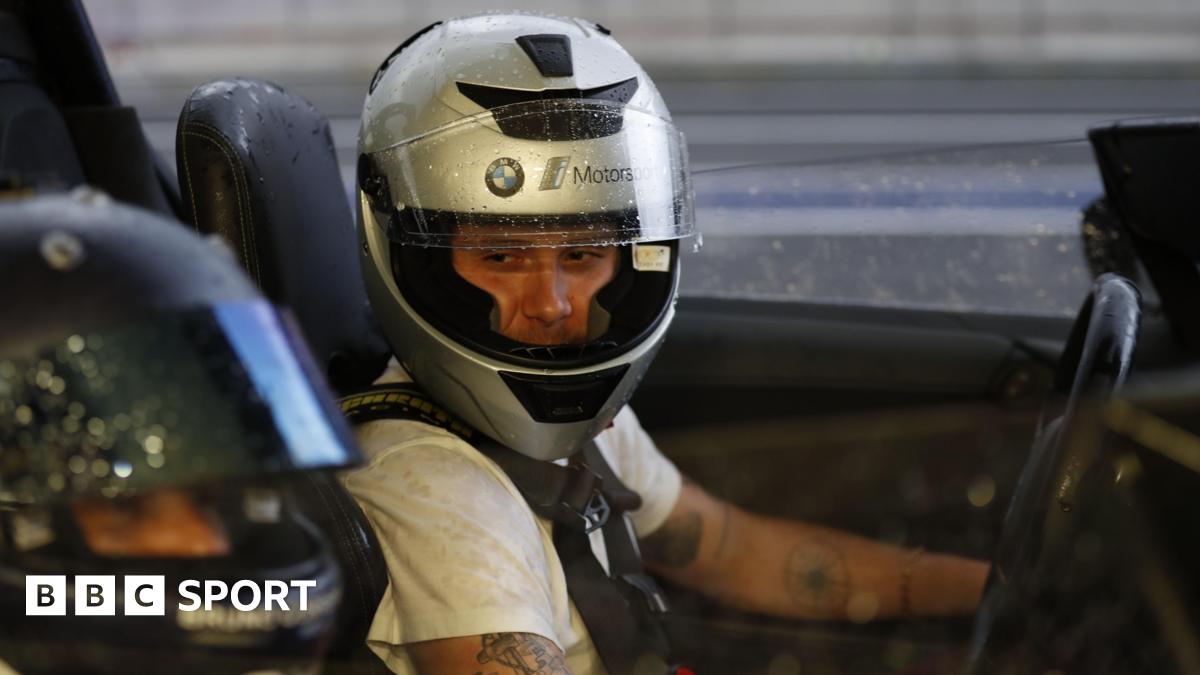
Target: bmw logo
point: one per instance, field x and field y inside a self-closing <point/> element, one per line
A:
<point x="504" y="177"/>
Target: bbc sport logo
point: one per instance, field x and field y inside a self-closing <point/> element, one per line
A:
<point x="145" y="595"/>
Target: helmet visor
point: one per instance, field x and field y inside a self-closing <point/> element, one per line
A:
<point x="195" y="396"/>
<point x="558" y="172"/>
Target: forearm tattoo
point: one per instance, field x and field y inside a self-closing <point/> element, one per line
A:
<point x="676" y="543"/>
<point x="726" y="511"/>
<point x="816" y="578"/>
<point x="520" y="653"/>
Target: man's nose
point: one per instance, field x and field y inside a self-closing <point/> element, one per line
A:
<point x="546" y="297"/>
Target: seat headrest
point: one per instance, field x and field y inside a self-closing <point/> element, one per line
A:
<point x="257" y="165"/>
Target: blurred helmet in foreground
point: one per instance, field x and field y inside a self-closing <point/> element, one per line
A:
<point x="149" y="398"/>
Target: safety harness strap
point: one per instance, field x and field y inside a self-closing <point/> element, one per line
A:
<point x="569" y="495"/>
<point x="578" y="498"/>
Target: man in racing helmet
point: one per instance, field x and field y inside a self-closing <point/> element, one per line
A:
<point x="522" y="194"/>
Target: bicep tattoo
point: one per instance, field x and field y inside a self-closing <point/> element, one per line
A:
<point x="817" y="578"/>
<point x="676" y="543"/>
<point x="520" y="653"/>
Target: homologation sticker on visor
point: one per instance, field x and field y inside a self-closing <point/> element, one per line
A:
<point x="651" y="258"/>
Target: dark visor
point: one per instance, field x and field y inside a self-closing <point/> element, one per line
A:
<point x="189" y="397"/>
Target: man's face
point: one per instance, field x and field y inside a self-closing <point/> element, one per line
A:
<point x="163" y="523"/>
<point x="542" y="294"/>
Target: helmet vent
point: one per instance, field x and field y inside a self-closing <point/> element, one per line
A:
<point x="551" y="53"/>
<point x="493" y="97"/>
<point x="557" y="122"/>
<point x="558" y="399"/>
<point x="561" y="352"/>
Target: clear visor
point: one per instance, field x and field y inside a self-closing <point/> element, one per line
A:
<point x="562" y="172"/>
<point x="195" y="396"/>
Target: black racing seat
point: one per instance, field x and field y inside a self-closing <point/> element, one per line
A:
<point x="61" y="122"/>
<point x="35" y="144"/>
<point x="257" y="166"/>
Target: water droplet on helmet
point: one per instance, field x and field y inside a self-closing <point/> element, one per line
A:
<point x="62" y="251"/>
<point x="91" y="196"/>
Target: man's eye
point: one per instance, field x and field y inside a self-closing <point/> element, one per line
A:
<point x="582" y="255"/>
<point x="498" y="257"/>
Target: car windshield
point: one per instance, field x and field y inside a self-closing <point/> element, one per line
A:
<point x="992" y="229"/>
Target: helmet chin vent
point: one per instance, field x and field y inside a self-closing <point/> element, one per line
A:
<point x="558" y="399"/>
<point x="563" y="352"/>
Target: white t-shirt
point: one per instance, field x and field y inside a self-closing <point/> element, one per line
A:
<point x="465" y="554"/>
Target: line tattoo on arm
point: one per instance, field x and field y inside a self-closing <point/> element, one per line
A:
<point x="726" y="511"/>
<point x="676" y="543"/>
<point x="817" y="578"/>
<point x="521" y="653"/>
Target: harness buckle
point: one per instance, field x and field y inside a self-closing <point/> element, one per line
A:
<point x="582" y="499"/>
<point x="594" y="513"/>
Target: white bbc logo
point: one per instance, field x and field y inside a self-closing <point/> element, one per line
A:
<point x="45" y="595"/>
<point x="95" y="595"/>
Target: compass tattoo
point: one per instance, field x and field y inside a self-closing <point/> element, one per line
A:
<point x="816" y="578"/>
<point x="520" y="653"/>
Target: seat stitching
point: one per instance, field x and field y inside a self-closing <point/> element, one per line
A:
<point x="246" y="255"/>
<point x="249" y="257"/>
<point x="253" y="231"/>
<point x="187" y="170"/>
<point x="342" y="539"/>
<point x="346" y="543"/>
<point x="367" y="614"/>
<point x="217" y="142"/>
<point x="247" y="231"/>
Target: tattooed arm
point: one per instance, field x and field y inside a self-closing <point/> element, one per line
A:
<point x="490" y="654"/>
<point x="793" y="569"/>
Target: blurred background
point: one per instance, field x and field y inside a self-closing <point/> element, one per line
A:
<point x="749" y="82"/>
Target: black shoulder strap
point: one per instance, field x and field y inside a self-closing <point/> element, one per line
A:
<point x="578" y="498"/>
<point x="547" y="487"/>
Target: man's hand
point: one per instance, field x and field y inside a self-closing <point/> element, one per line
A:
<point x="793" y="569"/>
<point x="489" y="654"/>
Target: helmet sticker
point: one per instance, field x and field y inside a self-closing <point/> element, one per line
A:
<point x="504" y="177"/>
<point x="555" y="171"/>
<point x="651" y="258"/>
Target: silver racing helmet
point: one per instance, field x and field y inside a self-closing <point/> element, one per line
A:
<point x="520" y="131"/>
